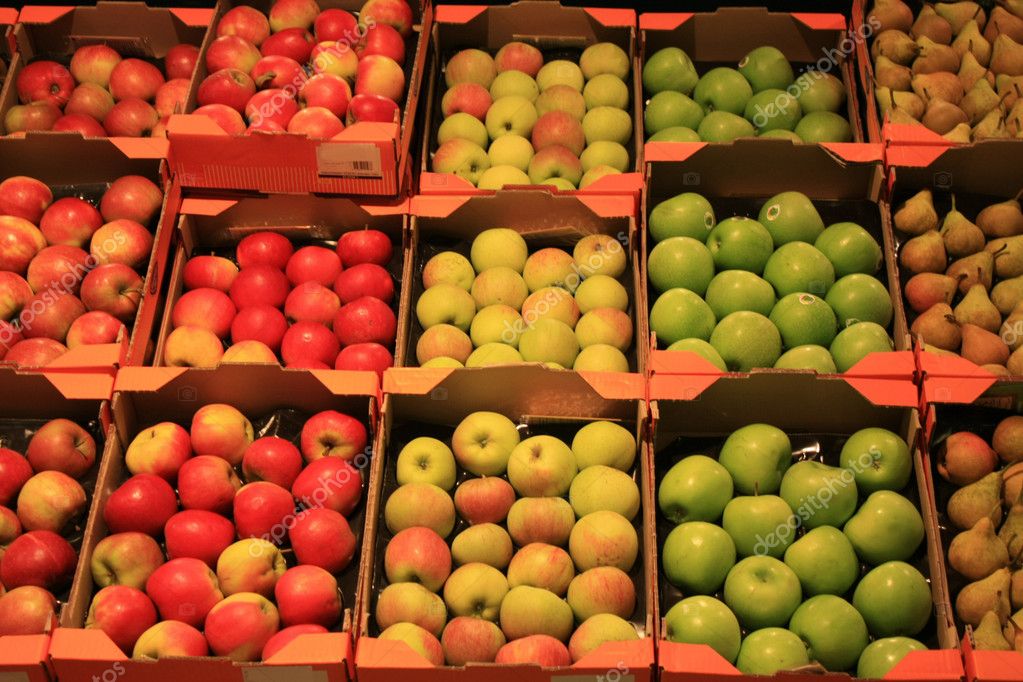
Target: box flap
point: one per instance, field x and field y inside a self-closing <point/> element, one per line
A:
<point x="663" y="21"/>
<point x="146" y="378"/>
<point x="857" y="152"/>
<point x="608" y="16"/>
<point x="324" y="648"/>
<point x="348" y="382"/>
<point x="953" y="379"/>
<point x="8" y="15"/>
<point x="194" y="16"/>
<point x="380" y="653"/>
<point x="36" y="14"/>
<point x="821" y="21"/>
<point x="671" y="151"/>
<point x="913" y="155"/>
<point x="617" y="655"/>
<point x="457" y="14"/>
<point x="207" y="207"/>
<point x="18" y="651"/>
<point x="76" y="643"/>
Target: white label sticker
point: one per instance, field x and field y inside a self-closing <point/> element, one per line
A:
<point x="282" y="673"/>
<point x="13" y="677"/>
<point x="359" y="160"/>
<point x="612" y="675"/>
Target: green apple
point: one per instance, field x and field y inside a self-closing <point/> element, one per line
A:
<point x="463" y="126"/>
<point x="606" y="443"/>
<point x="555" y="162"/>
<point x="857" y="341"/>
<point x="511" y="150"/>
<point x="511" y="115"/>
<point x="701" y="348"/>
<point x="445" y="304"/>
<point x="823" y="126"/>
<point x="601" y="291"/>
<point x="483" y="442"/>
<point x="500" y="285"/>
<point x="605" y="326"/>
<point x="420" y="504"/>
<point x="757" y="457"/>
<point x="603" y="538"/>
<point x="724" y="126"/>
<point x="461" y="157"/>
<point x="723" y="89"/>
<point x="850" y="249"/>
<point x="697" y="488"/>
<point x="746" y="340"/>
<point x="762" y="592"/>
<point x="607" y="123"/>
<point x="761" y="525"/>
<point x="860" y="298"/>
<point x="442" y="362"/>
<point x="798" y="268"/>
<point x="669" y="109"/>
<point x="606" y="90"/>
<point x="791" y="217"/>
<point x="562" y="98"/>
<point x="697" y="557"/>
<point x="599" y="254"/>
<point x="541" y="519"/>
<point x="448" y="267"/>
<point x="783" y="135"/>
<point x="681" y="314"/>
<point x="485" y="543"/>
<point x="804" y="319"/>
<point x="601" y="357"/>
<point x="560" y="72"/>
<point x="527" y="611"/>
<point x="426" y="460"/>
<point x="675" y="134"/>
<point x="561" y="184"/>
<point x="499" y="246"/>
<point x="812" y="357"/>
<point x="497" y="177"/>
<point x="734" y="290"/>
<point x="541" y="466"/>
<point x="549" y="340"/>
<point x="824" y="560"/>
<point x="476" y="590"/>
<point x="820" y="91"/>
<point x="894" y="600"/>
<point x="704" y="620"/>
<point x="550" y="267"/>
<point x="765" y="68"/>
<point x="605" y="153"/>
<point x="680" y="262"/>
<point x="411" y="603"/>
<point x="740" y="243"/>
<point x="684" y="215"/>
<point x="597" y="173"/>
<point x="443" y="341"/>
<point x="767" y="651"/>
<point x="597" y="630"/>
<point x="887" y="527"/>
<point x="821" y="495"/>
<point x="834" y="631"/>
<point x="881" y="655"/>
<point x="604" y="58"/>
<point x="602" y="487"/>
<point x="514" y="84"/>
<point x="669" y="68"/>
<point x="879" y="459"/>
<point x="772" y="110"/>
<point x="497" y="324"/>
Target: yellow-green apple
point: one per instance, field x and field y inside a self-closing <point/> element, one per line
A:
<point x="596" y="173"/>
<point x="59" y="266"/>
<point x="221" y="431"/>
<point x="143" y="503"/>
<point x="448" y="267"/>
<point x="40" y="558"/>
<point x="20" y="241"/>
<point x="476" y="590"/>
<point x="240" y="626"/>
<point x="312" y="302"/>
<point x="471" y="640"/>
<point x="121" y="241"/>
<point x="499" y="285"/>
<point x="411" y="603"/>
<point x="420" y="555"/>
<point x="49" y="500"/>
<point x="604" y="153"/>
<point x="541" y="519"/>
<point x="231" y="52"/>
<point x="601" y="487"/>
<point x="482" y="443"/>
<point x="498" y="177"/>
<point x="465" y="159"/>
<point x="323" y="538"/>
<point x="246" y="22"/>
<point x="542" y="565"/>
<point x="555" y="162"/>
<point x="596" y="631"/>
<point x="542" y="650"/>
<point x="35" y="116"/>
<point x="198" y="534"/>
<point x="115" y="289"/>
<point x="62" y="445"/>
<point x="463" y="126"/>
<point x="262" y="510"/>
<point x="606" y="90"/>
<point x="249" y="352"/>
<point x="286" y="636"/>
<point x="550" y="302"/>
<point x="485" y="543"/>
<point x="509" y="83"/>
<point x="91" y="100"/>
<point x="600" y="254"/>
<point x="15" y="292"/>
<point x="511" y="115"/>
<point x="14" y="472"/>
<point x="445" y="304"/>
<point x="273" y="459"/>
<point x="329" y="482"/>
<point x="541" y="466"/>
<point x="603" y="538"/>
<point x="496" y="247"/>
<point x="529" y="611"/>
<point x="426" y="460"/>
<point x="125" y="559"/>
<point x="605" y="326"/>
<point x="34" y="352"/>
<point x="131" y="118"/>
<point x="469" y="98"/>
<point x="135" y="78"/>
<point x="250" y="565"/>
<point x="549" y="340"/>
<point x="419" y="640"/>
<point x="50" y="314"/>
<point x="380" y="75"/>
<point x="335" y="59"/>
<point x="420" y="504"/>
<point x="604" y="58"/>
<point x="262" y="323"/>
<point x="470" y="66"/>
<point x="443" y="341"/>
<point x="94" y="64"/>
<point x="484" y="500"/>
<point x="558" y="128"/>
<point x="604" y="589"/>
<point x="493" y="354"/>
<point x="160" y="449"/>
<point x="123" y="613"/>
<point x="607" y="123"/>
<point x="395" y="13"/>
<point x="308" y="595"/>
<point x="518" y="56"/>
<point x="497" y="323"/>
<point x="170" y="639"/>
<point x="309" y="345"/>
<point x="131" y="197"/>
<point x="27" y="610"/>
<point x="293" y="14"/>
<point x="205" y="308"/>
<point x="511" y="150"/>
<point x="562" y="98"/>
<point x="601" y="358"/>
<point x="560" y="72"/>
<point x="184" y="589"/>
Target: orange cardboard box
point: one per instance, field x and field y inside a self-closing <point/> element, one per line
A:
<point x="364" y="158"/>
<point x="684" y="424"/>
<point x="267" y="395"/>
<point x="561" y="33"/>
<point x="55" y="159"/>
<point x="528" y="397"/>
<point x="131" y="28"/>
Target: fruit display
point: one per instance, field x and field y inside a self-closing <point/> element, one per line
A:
<point x="781" y="550"/>
<point x="763" y="95"/>
<point x="510" y="297"/>
<point x="72" y="264"/>
<point x="953" y="67"/>
<point x="769" y="286"/>
<point x="509" y="544"/>
<point x="304" y="70"/>
<point x="523" y="116"/>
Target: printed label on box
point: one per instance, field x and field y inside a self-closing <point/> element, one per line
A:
<point x="360" y="160"/>
<point x="612" y="675"/>
<point x="13" y="677"/>
<point x="281" y="673"/>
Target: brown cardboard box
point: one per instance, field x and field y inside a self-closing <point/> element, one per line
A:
<point x="8" y="17"/>
<point x="149" y="395"/>
<point x="526" y="398"/>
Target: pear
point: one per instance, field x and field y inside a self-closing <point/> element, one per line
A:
<point x="1002" y="21"/>
<point x="988" y="634"/>
<point x="1014" y="6"/>
<point x="888" y="99"/>
<point x="1013" y="486"/>
<point x="970" y="39"/>
<point x="1016" y="589"/>
<point x="896" y="45"/>
<point x="1006" y="57"/>
<point x="991" y="127"/>
<point x="935" y="57"/>
<point x="1004" y="219"/>
<point x="941" y="116"/>
<point x="1014" y="119"/>
<point x="927" y="288"/>
<point x="1009" y="89"/>
<point x="928" y="23"/>
<point x="1007" y="294"/>
<point x="959" y="14"/>
<point x="891" y="75"/>
<point x="977" y="308"/>
<point x="937" y="326"/>
<point x="997" y="370"/>
<point x="976" y="269"/>
<point x="961" y="237"/>
<point x="971" y="71"/>
<point x="946" y="86"/>
<point x="961" y="134"/>
<point x="980" y="100"/>
<point x="989" y="594"/>
<point x="975" y="501"/>
<point x="977" y="553"/>
<point x="1014" y="630"/>
<point x="902" y="117"/>
<point x="888" y="14"/>
<point x="1008" y="254"/>
<point x="1011" y="532"/>
<point x="1015" y="363"/>
<point x="982" y="347"/>
<point x="924" y="253"/>
<point x="1011" y="332"/>
<point x="917" y="215"/>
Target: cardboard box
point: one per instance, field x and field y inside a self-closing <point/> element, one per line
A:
<point x="8" y="17"/>
<point x="216" y="225"/>
<point x="845" y="181"/>
<point x="528" y="399"/>
<point x="55" y="159"/>
<point x="146" y="396"/>
<point x="724" y="37"/>
<point x="561" y="33"/>
<point x="131" y="28"/>
<point x="794" y="404"/>
<point x="29" y="400"/>
<point x="364" y="158"/>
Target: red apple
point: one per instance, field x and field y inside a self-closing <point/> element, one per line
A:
<point x="131" y="197"/>
<point x="14" y="294"/>
<point x="135" y="79"/>
<point x="170" y="639"/>
<point x="384" y="40"/>
<point x="58" y="267"/>
<point x="10" y="334"/>
<point x="35" y="352"/>
<point x="40" y="558"/>
<point x="262" y="323"/>
<point x="241" y="625"/>
<point x="93" y="64"/>
<point x="184" y="589"/>
<point x="229" y="120"/>
<point x="50" y="314"/>
<point x="27" y="610"/>
<point x="335" y="24"/>
<point x="542" y="650"/>
<point x="272" y="459"/>
<point x="24" y="197"/>
<point x="420" y="555"/>
<point x="213" y="272"/>
<point x="317" y="123"/>
<point x="322" y="537"/>
<point x="332" y="434"/>
<point x="246" y="22"/>
<point x="123" y="613"/>
<point x="286" y="636"/>
<point x="484" y="500"/>
<point x="396" y="13"/>
<point x="91" y="100"/>
<point x="274" y="105"/>
<point x="329" y="482"/>
<point x="380" y="75"/>
<point x="114" y="289"/>
<point x="94" y="327"/>
<point x="231" y="52"/>
<point x="36" y="116"/>
<point x="285" y="14"/>
<point x="131" y="118"/>
<point x="311" y="302"/>
<point x="309" y="341"/>
<point x="62" y="445"/>
<point x="171" y="97"/>
<point x="313" y="264"/>
<point x="470" y="98"/>
<point x="263" y="510"/>
<point x="364" y="279"/>
<point x="180" y="61"/>
<point x="160" y="449"/>
<point x="121" y="241"/>
<point x="222" y="431"/>
<point x="519" y="56"/>
<point x="264" y="248"/>
<point x="86" y="126"/>
<point x="141" y="504"/>
<point x="364" y="246"/>
<point x="14" y="472"/>
<point x="227" y="87"/>
<point x="207" y="483"/>
<point x="207" y="308"/>
<point x="70" y="221"/>
<point x="372" y="108"/>
<point x="366" y="320"/>
<point x="250" y="352"/>
<point x="44" y="80"/>
<point x="327" y="91"/>
<point x="198" y="534"/>
<point x="294" y="43"/>
<point x="559" y="128"/>
<point x="265" y="126"/>
<point x="308" y="595"/>
<point x="49" y="500"/>
<point x="367" y="357"/>
<point x="276" y="71"/>
<point x="260" y="285"/>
